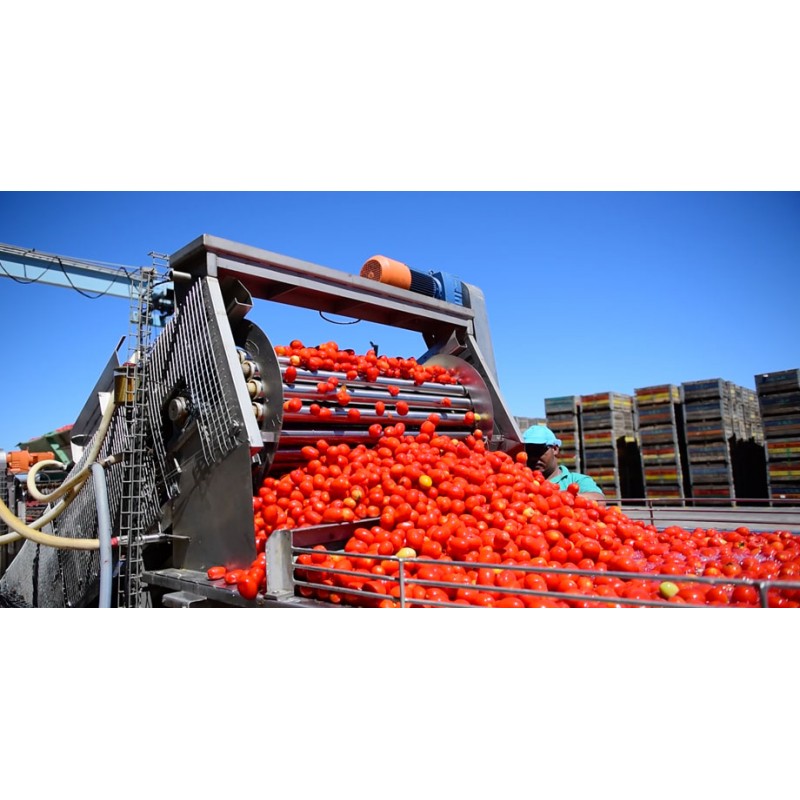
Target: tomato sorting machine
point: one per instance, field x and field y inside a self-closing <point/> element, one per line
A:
<point x="192" y="423"/>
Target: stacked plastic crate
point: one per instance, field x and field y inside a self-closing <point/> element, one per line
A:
<point x="657" y="414"/>
<point x="563" y="418"/>
<point x="606" y="421"/>
<point x="525" y="422"/>
<point x="753" y="429"/>
<point x="748" y="455"/>
<point x="708" y="425"/>
<point x="779" y="402"/>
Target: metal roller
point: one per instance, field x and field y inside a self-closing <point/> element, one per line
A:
<point x="287" y="432"/>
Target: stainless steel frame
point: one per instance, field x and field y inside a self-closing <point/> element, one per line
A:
<point x="447" y="328"/>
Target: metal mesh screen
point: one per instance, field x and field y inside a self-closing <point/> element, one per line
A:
<point x="184" y="355"/>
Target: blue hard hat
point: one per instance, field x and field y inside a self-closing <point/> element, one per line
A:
<point x="540" y="434"/>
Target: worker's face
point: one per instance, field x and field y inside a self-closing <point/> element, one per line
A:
<point x="543" y="457"/>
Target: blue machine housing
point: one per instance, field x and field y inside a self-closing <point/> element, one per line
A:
<point x="439" y="285"/>
<point x="452" y="289"/>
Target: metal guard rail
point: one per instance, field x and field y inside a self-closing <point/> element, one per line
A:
<point x="761" y="586"/>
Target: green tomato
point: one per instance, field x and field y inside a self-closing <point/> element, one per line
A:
<point x="668" y="589"/>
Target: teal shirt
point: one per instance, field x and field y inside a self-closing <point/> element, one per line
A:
<point x="564" y="478"/>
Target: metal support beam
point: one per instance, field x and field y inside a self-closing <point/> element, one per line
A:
<point x="290" y="281"/>
<point x="30" y="266"/>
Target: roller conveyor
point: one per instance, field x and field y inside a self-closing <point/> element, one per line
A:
<point x="451" y="402"/>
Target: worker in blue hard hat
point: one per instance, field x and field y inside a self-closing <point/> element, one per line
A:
<point x="543" y="447"/>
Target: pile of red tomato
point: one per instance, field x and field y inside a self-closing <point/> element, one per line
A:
<point x="369" y="366"/>
<point x="477" y="519"/>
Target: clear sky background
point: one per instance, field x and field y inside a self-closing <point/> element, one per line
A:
<point x="586" y="291"/>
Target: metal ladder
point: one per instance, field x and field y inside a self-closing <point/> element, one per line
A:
<point x="134" y="483"/>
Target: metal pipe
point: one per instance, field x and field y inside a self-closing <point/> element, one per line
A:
<point x="381" y="382"/>
<point x="358" y="394"/>
<point x="413" y="419"/>
<point x="103" y="533"/>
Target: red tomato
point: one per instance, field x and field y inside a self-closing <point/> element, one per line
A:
<point x="509" y="602"/>
<point x="248" y="586"/>
<point x="745" y="594"/>
<point x="692" y="594"/>
<point x="483" y="599"/>
<point x="233" y="576"/>
<point x="376" y="587"/>
<point x="718" y="594"/>
<point x="535" y="581"/>
<point x="431" y="549"/>
<point x="436" y="594"/>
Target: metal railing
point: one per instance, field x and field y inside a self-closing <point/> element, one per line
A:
<point x="404" y="582"/>
<point x="758" y="515"/>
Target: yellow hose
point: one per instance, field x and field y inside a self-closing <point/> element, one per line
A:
<point x="56" y="493"/>
<point x="46" y="518"/>
<point x="80" y="476"/>
<point x="71" y="486"/>
<point x="28" y="532"/>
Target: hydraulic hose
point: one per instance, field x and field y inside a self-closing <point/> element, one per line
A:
<point x="79" y="477"/>
<point x="71" y="486"/>
<point x="46" y="518"/>
<point x="26" y="531"/>
<point x="76" y="481"/>
<point x="57" y="510"/>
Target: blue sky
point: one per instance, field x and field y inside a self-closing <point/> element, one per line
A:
<point x="586" y="292"/>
